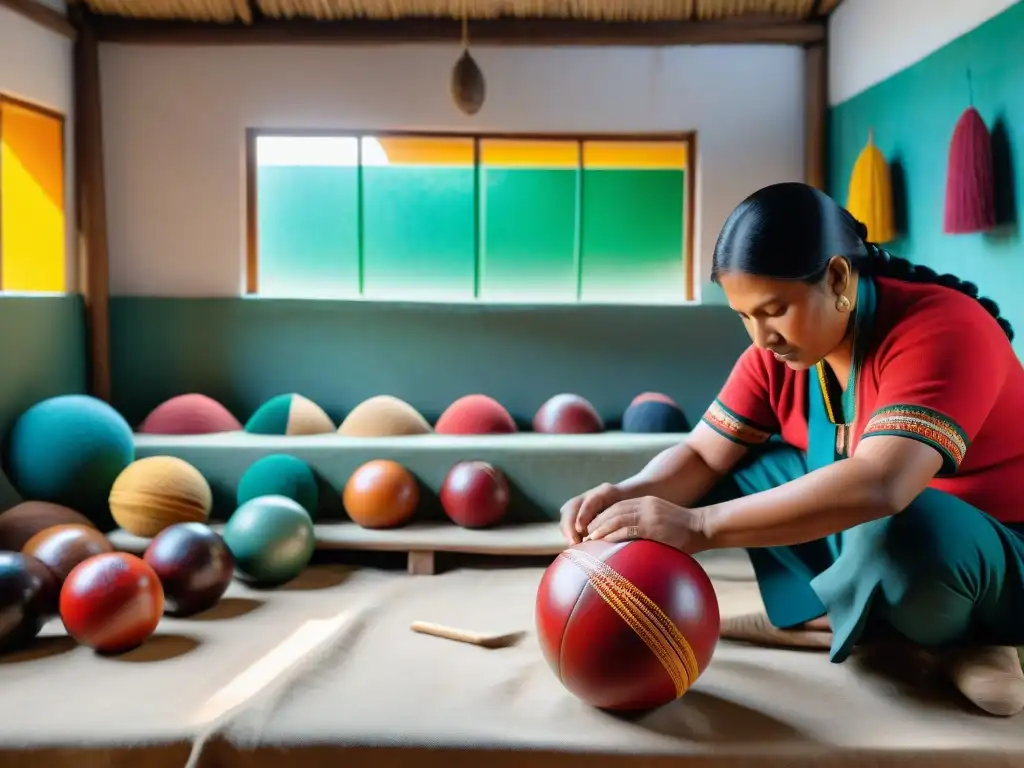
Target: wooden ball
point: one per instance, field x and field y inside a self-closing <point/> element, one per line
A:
<point x="156" y="492"/>
<point x="23" y="521"/>
<point x="194" y="566"/>
<point x="62" y="547"/>
<point x="28" y="592"/>
<point x="381" y="494"/>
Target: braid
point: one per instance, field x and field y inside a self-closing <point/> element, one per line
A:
<point x="883" y="264"/>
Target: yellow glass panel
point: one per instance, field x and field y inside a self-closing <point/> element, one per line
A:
<point x="517" y="153"/>
<point x="414" y="150"/>
<point x="32" y="216"/>
<point x="636" y="155"/>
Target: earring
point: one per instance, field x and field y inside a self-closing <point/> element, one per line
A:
<point x="843" y="304"/>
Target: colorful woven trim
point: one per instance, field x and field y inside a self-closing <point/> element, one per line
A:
<point x="643" y="616"/>
<point x="733" y="426"/>
<point x="922" y="424"/>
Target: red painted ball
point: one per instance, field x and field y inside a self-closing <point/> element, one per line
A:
<point x="111" y="602"/>
<point x="567" y="414"/>
<point x="628" y="626"/>
<point x="475" y="494"/>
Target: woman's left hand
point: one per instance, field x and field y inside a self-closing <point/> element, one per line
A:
<point x="650" y="518"/>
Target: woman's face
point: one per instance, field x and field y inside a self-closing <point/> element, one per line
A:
<point x="799" y="323"/>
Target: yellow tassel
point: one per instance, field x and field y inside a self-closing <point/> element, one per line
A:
<point x="870" y="194"/>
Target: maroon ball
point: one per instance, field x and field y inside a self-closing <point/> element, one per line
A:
<point x="627" y="626"/>
<point x="568" y="415"/>
<point x="28" y="598"/>
<point x="194" y="566"/>
<point x="475" y="494"/>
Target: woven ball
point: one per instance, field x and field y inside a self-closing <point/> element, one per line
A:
<point x="191" y="414"/>
<point x="23" y="521"/>
<point x="156" y="492"/>
<point x="280" y="475"/>
<point x="384" y="416"/>
<point x="567" y="414"/>
<point x="627" y="626"/>
<point x="289" y="414"/>
<point x="475" y="415"/>
<point x="69" y="450"/>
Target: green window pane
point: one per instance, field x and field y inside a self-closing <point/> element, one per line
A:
<point x="419" y="233"/>
<point x="632" y="238"/>
<point x="528" y="222"/>
<point x="307" y="217"/>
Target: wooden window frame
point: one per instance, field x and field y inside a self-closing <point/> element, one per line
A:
<point x="688" y="138"/>
<point x="42" y="111"/>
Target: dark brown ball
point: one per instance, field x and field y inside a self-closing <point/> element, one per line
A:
<point x="194" y="566"/>
<point x="23" y="521"/>
<point x="28" y="598"/>
<point x="63" y="547"/>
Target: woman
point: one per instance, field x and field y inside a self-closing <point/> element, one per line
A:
<point x="862" y="451"/>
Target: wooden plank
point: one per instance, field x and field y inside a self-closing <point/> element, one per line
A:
<point x="816" y="115"/>
<point x="42" y="15"/>
<point x="91" y="208"/>
<point x="490" y="32"/>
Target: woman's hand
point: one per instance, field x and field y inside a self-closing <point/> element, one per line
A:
<point x="578" y="512"/>
<point x="649" y="517"/>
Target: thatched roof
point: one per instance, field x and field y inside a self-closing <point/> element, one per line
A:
<point x="594" y="10"/>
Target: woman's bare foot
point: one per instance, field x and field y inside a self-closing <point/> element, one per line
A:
<point x="755" y="628"/>
<point x="990" y="677"/>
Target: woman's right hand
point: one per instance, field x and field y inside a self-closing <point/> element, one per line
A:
<point x="579" y="511"/>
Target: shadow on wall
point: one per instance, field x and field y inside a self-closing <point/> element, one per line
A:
<point x="337" y="353"/>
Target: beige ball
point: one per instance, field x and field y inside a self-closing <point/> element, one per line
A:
<point x="384" y="416"/>
<point x="157" y="492"/>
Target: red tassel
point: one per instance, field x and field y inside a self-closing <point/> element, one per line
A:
<point x="970" y="187"/>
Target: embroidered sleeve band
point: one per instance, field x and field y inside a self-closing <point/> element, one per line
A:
<point x="733" y="426"/>
<point x="922" y="424"/>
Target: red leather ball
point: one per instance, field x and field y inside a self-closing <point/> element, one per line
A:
<point x="627" y="626"/>
<point x="111" y="602"/>
<point x="475" y="494"/>
<point x="567" y="414"/>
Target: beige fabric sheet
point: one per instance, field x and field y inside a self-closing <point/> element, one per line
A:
<point x="386" y="687"/>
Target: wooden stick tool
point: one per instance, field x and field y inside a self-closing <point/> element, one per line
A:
<point x="467" y="636"/>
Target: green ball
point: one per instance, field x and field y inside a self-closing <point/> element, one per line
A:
<point x="280" y="475"/>
<point x="271" y="539"/>
<point x="69" y="450"/>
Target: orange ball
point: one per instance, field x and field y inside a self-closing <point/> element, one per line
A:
<point x="381" y="494"/>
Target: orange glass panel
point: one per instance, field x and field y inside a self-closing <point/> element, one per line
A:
<point x="414" y="150"/>
<point x="635" y="155"/>
<point x="517" y="153"/>
<point x="32" y="216"/>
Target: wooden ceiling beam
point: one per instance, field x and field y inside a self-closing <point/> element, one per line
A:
<point x="490" y="32"/>
<point x="42" y="15"/>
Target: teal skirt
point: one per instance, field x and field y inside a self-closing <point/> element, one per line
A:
<point x="939" y="573"/>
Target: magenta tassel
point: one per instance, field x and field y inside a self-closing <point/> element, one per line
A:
<point x="970" y="187"/>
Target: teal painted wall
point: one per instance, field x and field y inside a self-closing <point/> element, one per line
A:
<point x="338" y="353"/>
<point x="42" y="354"/>
<point x="913" y="114"/>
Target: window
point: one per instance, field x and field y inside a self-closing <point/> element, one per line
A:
<point x="32" y="216"/>
<point x="471" y="218"/>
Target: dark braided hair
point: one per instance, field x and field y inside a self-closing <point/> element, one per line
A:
<point x="790" y="231"/>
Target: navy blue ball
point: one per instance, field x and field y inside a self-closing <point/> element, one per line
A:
<point x="654" y="416"/>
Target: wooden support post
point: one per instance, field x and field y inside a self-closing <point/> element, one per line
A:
<point x="816" y="115"/>
<point x="422" y="563"/>
<point x="91" y="207"/>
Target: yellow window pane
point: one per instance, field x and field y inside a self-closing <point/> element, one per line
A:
<point x="32" y="215"/>
<point x="520" y="153"/>
<point x="636" y="155"/>
<point x="415" y="150"/>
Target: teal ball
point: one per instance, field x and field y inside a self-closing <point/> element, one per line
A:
<point x="69" y="450"/>
<point x="280" y="475"/>
<point x="271" y="539"/>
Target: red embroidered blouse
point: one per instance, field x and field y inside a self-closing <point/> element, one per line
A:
<point x="936" y="368"/>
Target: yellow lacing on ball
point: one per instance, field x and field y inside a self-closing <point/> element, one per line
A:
<point x="644" y="617"/>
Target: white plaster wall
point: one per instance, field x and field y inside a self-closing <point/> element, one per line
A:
<point x="871" y="40"/>
<point x="174" y="123"/>
<point x="36" y="65"/>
